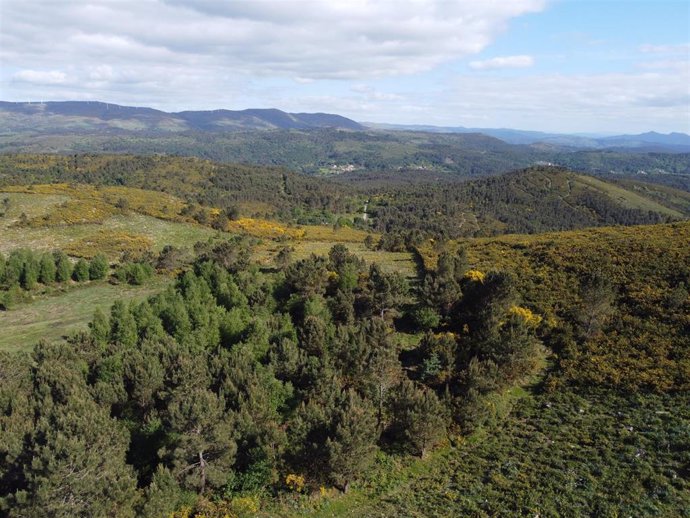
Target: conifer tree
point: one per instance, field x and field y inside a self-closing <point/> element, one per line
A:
<point x="98" y="269"/>
<point x="76" y="465"/>
<point x="351" y="447"/>
<point x="202" y="449"/>
<point x="419" y="417"/>
<point x="99" y="327"/>
<point x="386" y="292"/>
<point x="30" y="271"/>
<point x="63" y="267"/>
<point x="3" y="267"/>
<point x="47" y="270"/>
<point x="81" y="271"/>
<point x="123" y="327"/>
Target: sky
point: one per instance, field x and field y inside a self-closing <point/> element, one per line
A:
<point x="569" y="66"/>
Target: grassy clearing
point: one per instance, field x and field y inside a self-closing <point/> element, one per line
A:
<point x="31" y="205"/>
<point x="73" y="237"/>
<point x="627" y="198"/>
<point x="56" y="316"/>
<point x="390" y="261"/>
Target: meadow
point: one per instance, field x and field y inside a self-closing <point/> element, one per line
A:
<point x="56" y="316"/>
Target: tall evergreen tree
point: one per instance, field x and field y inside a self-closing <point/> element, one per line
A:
<point x="81" y="271"/>
<point x="201" y="450"/>
<point x="123" y="327"/>
<point x="419" y="417"/>
<point x="98" y="269"/>
<point x="63" y="266"/>
<point x="351" y="447"/>
<point x="30" y="271"/>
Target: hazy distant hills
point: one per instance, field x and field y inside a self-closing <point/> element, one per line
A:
<point x="644" y="142"/>
<point x="99" y="117"/>
<point x="332" y="145"/>
<point x="81" y="116"/>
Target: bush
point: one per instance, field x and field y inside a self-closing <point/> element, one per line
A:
<point x="134" y="273"/>
<point x="426" y="318"/>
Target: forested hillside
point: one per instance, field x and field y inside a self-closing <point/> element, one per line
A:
<point x="236" y="391"/>
<point x="246" y="189"/>
<point x="537" y="199"/>
<point x="534" y="200"/>
<point x="209" y="354"/>
<point x="377" y="154"/>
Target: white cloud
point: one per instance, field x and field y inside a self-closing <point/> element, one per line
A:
<point x="616" y="102"/>
<point x="521" y="61"/>
<point x="309" y="39"/>
<point x="51" y="77"/>
<point x="683" y="48"/>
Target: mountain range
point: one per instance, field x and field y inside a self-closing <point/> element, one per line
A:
<point x="92" y="116"/>
<point x="87" y="116"/>
<point x="646" y="142"/>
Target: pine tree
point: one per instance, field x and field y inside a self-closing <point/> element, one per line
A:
<point x="47" y="269"/>
<point x="386" y="292"/>
<point x="98" y="269"/>
<point x="30" y="271"/>
<point x="14" y="268"/>
<point x="81" y="271"/>
<point x="123" y="327"/>
<point x="201" y="448"/>
<point x="419" y="417"/>
<point x="3" y="267"/>
<point x="163" y="495"/>
<point x="16" y="423"/>
<point x="351" y="448"/>
<point x="99" y="327"/>
<point x="76" y="465"/>
<point x="63" y="266"/>
<point x="284" y="257"/>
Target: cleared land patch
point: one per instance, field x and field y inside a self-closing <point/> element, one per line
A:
<point x="54" y="317"/>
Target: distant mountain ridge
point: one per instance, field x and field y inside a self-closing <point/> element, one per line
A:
<point x="648" y="142"/>
<point x="94" y="116"/>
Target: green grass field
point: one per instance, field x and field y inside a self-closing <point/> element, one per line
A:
<point x="56" y="316"/>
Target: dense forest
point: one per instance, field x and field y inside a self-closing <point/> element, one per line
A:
<point x="534" y="200"/>
<point x="221" y="384"/>
<point x="268" y="190"/>
<point x="365" y="152"/>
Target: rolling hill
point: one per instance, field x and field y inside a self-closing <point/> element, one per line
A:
<point x="532" y="200"/>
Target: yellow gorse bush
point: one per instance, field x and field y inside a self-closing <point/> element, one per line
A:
<point x="525" y="315"/>
<point x="295" y="482"/>
<point x="262" y="228"/>
<point x="475" y="275"/>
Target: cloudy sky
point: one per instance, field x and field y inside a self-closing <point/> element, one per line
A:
<point x="611" y="66"/>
